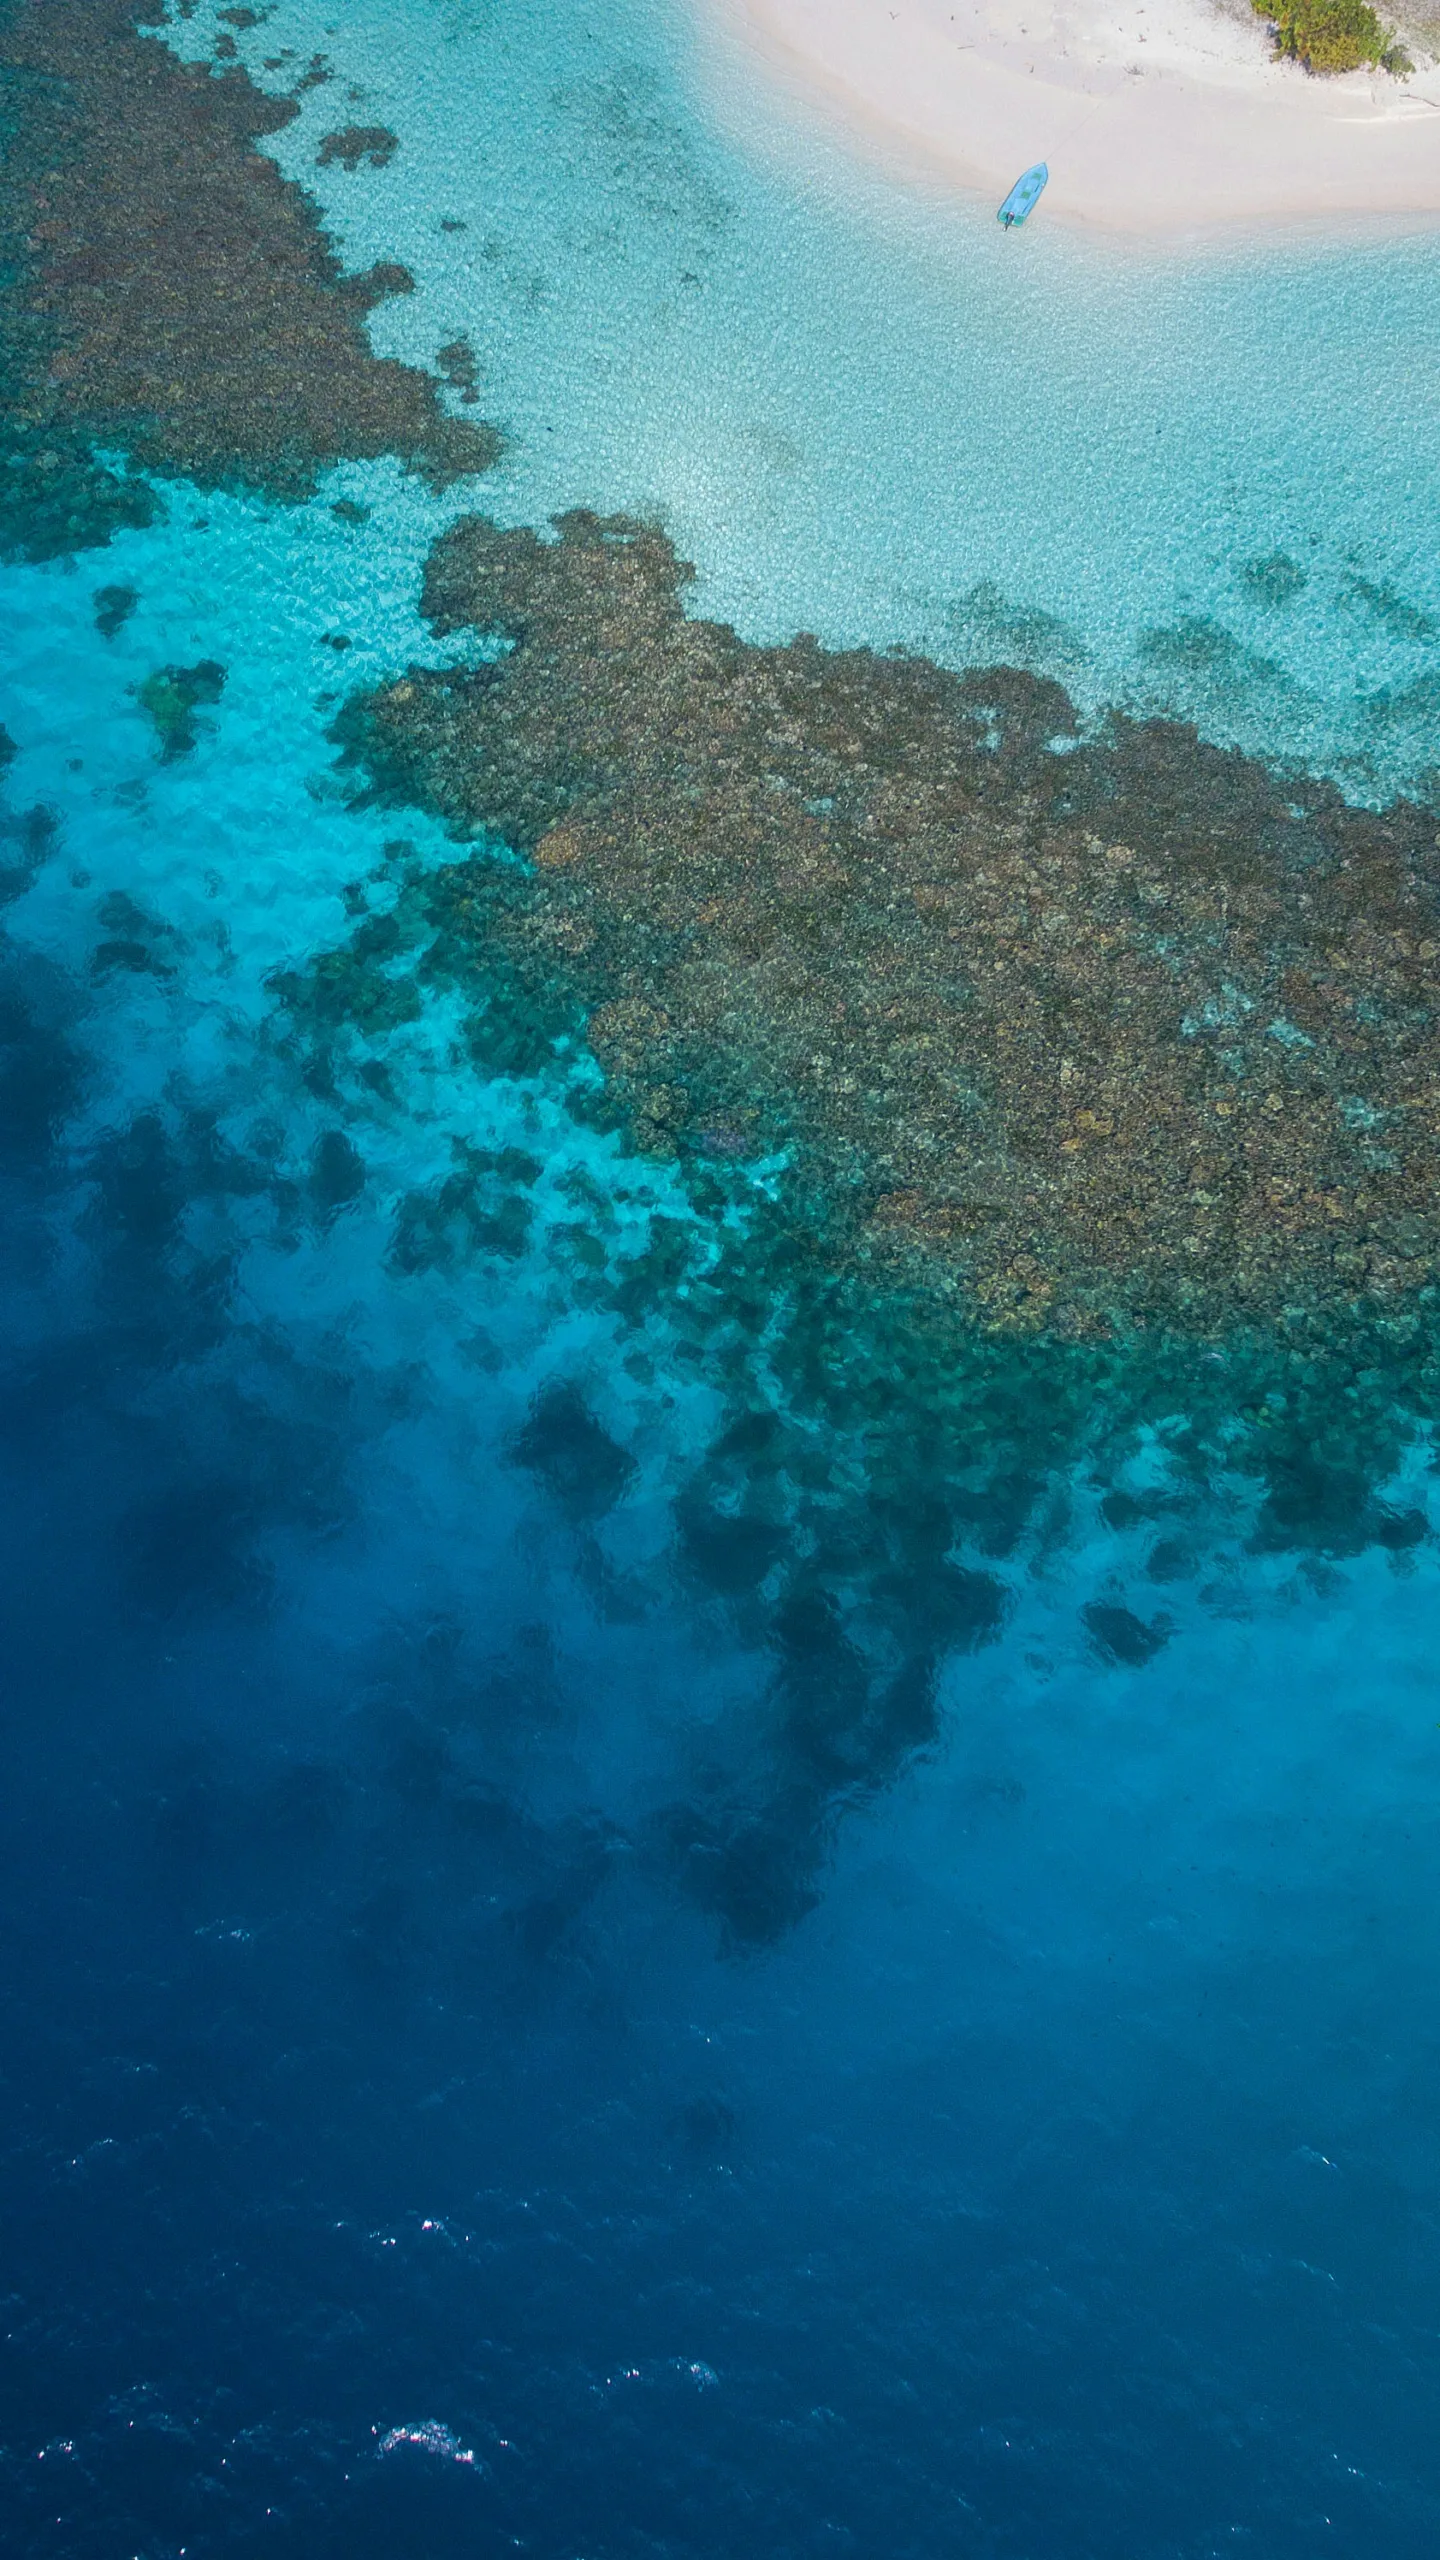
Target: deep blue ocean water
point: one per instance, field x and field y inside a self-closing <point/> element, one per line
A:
<point x="405" y="2151"/>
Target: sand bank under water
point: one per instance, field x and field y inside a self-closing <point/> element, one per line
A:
<point x="1167" y="117"/>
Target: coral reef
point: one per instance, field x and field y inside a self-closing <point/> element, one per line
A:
<point x="881" y="1472"/>
<point x="1097" y="1078"/>
<point x="883" y="1461"/>
<point x="459" y="365"/>
<point x="170" y="699"/>
<point x="1103" y="1031"/>
<point x="168" y="296"/>
<point x="375" y="144"/>
<point x="113" y="608"/>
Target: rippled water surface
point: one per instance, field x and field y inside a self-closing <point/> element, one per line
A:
<point x="600" y="1963"/>
<point x="886" y="420"/>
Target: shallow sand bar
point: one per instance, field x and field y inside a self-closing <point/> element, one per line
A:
<point x="1170" y="116"/>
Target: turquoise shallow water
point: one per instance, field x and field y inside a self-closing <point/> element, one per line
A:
<point x="880" y="418"/>
<point x="412" y="2151"/>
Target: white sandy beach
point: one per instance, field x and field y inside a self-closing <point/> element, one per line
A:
<point x="1162" y="116"/>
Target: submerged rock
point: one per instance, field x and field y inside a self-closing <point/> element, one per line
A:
<point x="172" y="696"/>
<point x="375" y="144"/>
<point x="113" y="608"/>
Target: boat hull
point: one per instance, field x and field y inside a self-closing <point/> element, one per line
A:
<point x="1024" y="196"/>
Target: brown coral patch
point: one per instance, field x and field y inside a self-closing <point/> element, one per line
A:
<point x="1122" y="1026"/>
<point x="170" y="293"/>
<point x="375" y="144"/>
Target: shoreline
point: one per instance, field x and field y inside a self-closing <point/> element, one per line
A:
<point x="1167" y="118"/>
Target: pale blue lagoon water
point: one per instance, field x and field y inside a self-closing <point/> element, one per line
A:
<point x="401" y="2155"/>
<point x="878" y="417"/>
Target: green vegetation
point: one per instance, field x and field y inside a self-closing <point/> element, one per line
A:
<point x="1334" y="35"/>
